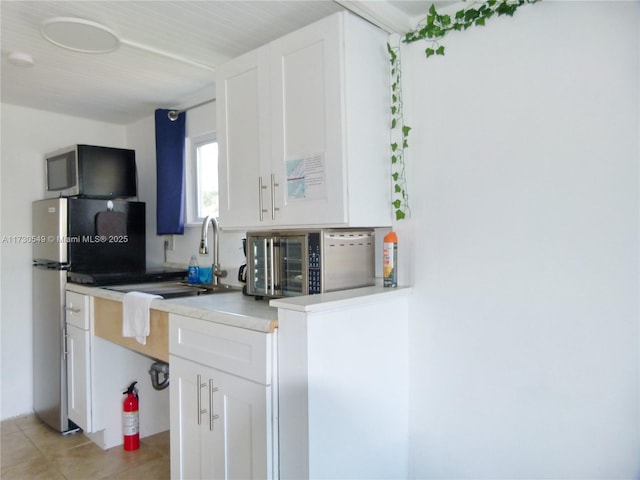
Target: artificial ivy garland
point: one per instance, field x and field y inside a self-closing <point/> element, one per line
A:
<point x="399" y="138"/>
<point x="432" y="29"/>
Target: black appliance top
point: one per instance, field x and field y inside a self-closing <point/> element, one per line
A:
<point x="106" y="236"/>
<point x="123" y="277"/>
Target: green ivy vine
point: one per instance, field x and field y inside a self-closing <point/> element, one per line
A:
<point x="399" y="138"/>
<point x="432" y="29"/>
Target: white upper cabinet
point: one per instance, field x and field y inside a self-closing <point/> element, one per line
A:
<point x="242" y="143"/>
<point x="303" y="129"/>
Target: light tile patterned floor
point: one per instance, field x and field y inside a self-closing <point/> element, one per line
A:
<point x="32" y="451"/>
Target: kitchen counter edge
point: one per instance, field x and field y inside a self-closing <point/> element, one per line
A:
<point x="340" y="299"/>
<point x="231" y="309"/>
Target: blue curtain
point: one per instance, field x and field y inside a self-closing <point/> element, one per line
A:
<point x="170" y="170"/>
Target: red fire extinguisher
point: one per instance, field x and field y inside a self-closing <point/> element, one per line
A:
<point x="130" y="420"/>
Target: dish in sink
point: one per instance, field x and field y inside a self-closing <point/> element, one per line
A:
<point x="174" y="289"/>
<point x="164" y="289"/>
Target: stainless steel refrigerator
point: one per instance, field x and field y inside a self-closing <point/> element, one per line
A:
<point x="86" y="236"/>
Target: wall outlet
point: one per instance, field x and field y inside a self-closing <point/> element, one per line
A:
<point x="169" y="243"/>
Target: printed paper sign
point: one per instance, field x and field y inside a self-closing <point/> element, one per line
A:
<point x="306" y="178"/>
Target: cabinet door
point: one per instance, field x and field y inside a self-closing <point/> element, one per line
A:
<point x="191" y="456"/>
<point x="308" y="138"/>
<point x="220" y="424"/>
<point x="243" y="141"/>
<point x="78" y="377"/>
<point x="304" y="129"/>
<point x="242" y="428"/>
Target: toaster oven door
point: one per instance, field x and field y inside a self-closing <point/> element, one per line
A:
<point x="277" y="265"/>
<point x="260" y="265"/>
<point x="292" y="262"/>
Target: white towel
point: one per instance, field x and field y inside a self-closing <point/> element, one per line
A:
<point x="135" y="315"/>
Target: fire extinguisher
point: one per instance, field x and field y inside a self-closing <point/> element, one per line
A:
<point x="130" y="420"/>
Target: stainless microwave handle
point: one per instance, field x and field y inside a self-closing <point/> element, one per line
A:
<point x="272" y="264"/>
<point x="266" y="265"/>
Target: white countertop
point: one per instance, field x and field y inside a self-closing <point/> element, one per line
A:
<point x="333" y="300"/>
<point x="238" y="310"/>
<point x="230" y="308"/>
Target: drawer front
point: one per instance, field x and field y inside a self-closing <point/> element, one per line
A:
<point x="238" y="351"/>
<point x="78" y="310"/>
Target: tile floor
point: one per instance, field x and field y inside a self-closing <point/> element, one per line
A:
<point x="32" y="451"/>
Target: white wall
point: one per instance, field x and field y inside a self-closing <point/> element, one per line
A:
<point x="141" y="138"/>
<point x="523" y="168"/>
<point x="27" y="135"/>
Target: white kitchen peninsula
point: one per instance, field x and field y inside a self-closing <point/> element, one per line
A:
<point x="343" y="384"/>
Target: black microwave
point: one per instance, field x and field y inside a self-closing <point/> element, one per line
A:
<point x="91" y="171"/>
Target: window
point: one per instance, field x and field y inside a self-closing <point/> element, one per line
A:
<point x="202" y="178"/>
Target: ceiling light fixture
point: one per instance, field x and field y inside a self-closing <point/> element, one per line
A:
<point x="86" y="36"/>
<point x="80" y="35"/>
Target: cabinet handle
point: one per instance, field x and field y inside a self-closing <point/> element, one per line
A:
<point x="212" y="417"/>
<point x="72" y="310"/>
<point x="65" y="341"/>
<point x="261" y="188"/>
<point x="200" y="386"/>
<point x="274" y="209"/>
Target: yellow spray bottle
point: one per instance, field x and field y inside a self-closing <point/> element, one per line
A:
<point x="390" y="260"/>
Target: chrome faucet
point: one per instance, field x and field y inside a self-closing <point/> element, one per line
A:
<point x="215" y="268"/>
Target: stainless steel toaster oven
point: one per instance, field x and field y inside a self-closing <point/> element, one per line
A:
<point x="306" y="262"/>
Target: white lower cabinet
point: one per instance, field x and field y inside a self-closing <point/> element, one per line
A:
<point x="79" y="377"/>
<point x="220" y="425"/>
<point x="223" y="415"/>
<point x="78" y="310"/>
<point x="343" y="385"/>
<point x="98" y="371"/>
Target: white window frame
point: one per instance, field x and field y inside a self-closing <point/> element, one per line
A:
<point x="192" y="175"/>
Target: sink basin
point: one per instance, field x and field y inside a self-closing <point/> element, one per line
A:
<point x="174" y="289"/>
<point x="220" y="288"/>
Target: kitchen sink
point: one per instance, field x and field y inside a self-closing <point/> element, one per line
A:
<point x="174" y="289"/>
<point x="220" y="288"/>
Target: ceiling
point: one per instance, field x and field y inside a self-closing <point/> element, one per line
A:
<point x="168" y="49"/>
